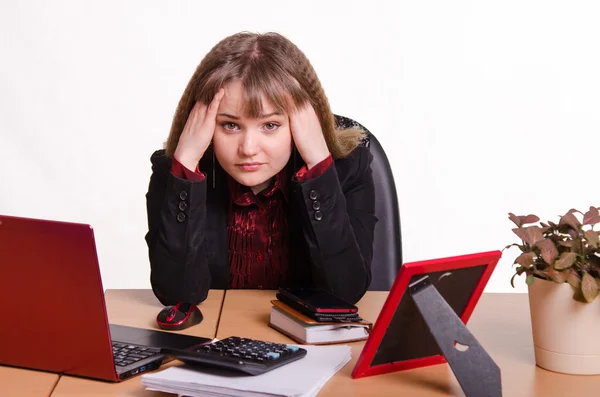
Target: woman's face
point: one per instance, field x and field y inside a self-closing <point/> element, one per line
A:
<point x="251" y="150"/>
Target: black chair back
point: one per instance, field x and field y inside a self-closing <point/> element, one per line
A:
<point x="387" y="243"/>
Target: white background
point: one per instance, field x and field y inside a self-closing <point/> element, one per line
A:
<point x="484" y="108"/>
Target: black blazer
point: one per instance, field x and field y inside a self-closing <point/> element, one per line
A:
<point x="331" y="243"/>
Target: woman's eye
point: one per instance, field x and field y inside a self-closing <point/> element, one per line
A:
<point x="229" y="126"/>
<point x="271" y="126"/>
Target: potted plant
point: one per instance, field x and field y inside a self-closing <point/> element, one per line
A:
<point x="561" y="263"/>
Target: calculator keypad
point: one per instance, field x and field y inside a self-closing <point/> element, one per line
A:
<point x="248" y="349"/>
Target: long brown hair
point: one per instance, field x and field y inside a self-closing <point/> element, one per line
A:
<point x="266" y="64"/>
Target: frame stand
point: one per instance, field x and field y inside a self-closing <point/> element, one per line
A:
<point x="476" y="372"/>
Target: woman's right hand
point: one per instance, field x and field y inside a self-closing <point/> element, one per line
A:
<point x="198" y="132"/>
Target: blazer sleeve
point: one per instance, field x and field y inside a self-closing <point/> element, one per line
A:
<point x="338" y="226"/>
<point x="176" y="210"/>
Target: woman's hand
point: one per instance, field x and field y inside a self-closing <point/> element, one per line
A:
<point x="198" y="132"/>
<point x="308" y="136"/>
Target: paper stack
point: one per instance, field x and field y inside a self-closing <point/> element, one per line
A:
<point x="302" y="378"/>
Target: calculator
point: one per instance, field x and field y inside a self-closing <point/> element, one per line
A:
<point x="247" y="356"/>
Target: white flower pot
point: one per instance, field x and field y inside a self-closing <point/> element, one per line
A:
<point x="565" y="332"/>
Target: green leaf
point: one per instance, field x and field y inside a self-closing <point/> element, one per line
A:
<point x="577" y="246"/>
<point x="515" y="219"/>
<point x="589" y="287"/>
<point x="573" y="233"/>
<point x="578" y="296"/>
<point x="565" y="261"/>
<point x="526" y="259"/>
<point x="592" y="238"/>
<point x="591" y="217"/>
<point x="556" y="276"/>
<point x="566" y="243"/>
<point x="522" y="219"/>
<point x="530" y="235"/>
<point x="512" y="280"/>
<point x="511" y="245"/>
<point x="528" y="219"/>
<point x="529" y="279"/>
<point x="573" y="279"/>
<point x="570" y="219"/>
<point x="549" y="251"/>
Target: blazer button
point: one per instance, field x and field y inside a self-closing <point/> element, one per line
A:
<point x="180" y="217"/>
<point x="316" y="205"/>
<point x="313" y="195"/>
<point x="318" y="215"/>
<point x="183" y="195"/>
<point x="183" y="206"/>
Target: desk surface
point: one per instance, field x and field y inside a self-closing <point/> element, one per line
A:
<point x="19" y="382"/>
<point x="500" y="322"/>
<point x="138" y="308"/>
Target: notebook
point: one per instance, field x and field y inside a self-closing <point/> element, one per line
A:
<point x="50" y="276"/>
<point x="306" y="330"/>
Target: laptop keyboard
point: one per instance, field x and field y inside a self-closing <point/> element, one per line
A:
<point x="126" y="354"/>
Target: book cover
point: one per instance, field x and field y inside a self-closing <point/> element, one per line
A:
<point x="306" y="330"/>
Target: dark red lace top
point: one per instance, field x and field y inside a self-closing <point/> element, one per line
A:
<point x="257" y="228"/>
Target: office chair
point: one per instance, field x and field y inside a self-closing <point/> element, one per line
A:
<point x="387" y="243"/>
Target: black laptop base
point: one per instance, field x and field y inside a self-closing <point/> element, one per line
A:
<point x="136" y="350"/>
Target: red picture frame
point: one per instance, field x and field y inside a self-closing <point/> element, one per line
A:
<point x="363" y="367"/>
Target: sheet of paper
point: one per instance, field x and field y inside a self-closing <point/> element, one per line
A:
<point x="304" y="377"/>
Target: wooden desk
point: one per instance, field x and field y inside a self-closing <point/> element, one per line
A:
<point x="500" y="322"/>
<point x="19" y="382"/>
<point x="138" y="308"/>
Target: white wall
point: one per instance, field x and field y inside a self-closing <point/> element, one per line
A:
<point x="484" y="107"/>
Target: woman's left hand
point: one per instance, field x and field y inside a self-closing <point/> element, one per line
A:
<point x="308" y="136"/>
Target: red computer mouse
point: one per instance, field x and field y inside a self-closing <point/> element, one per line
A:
<point x="179" y="316"/>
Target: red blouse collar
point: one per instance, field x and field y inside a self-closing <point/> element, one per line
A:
<point x="244" y="196"/>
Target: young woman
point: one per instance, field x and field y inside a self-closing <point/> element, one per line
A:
<point x="259" y="185"/>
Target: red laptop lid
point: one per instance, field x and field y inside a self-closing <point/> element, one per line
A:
<point x="400" y="338"/>
<point x="53" y="311"/>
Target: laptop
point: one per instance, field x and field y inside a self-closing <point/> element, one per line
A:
<point x="53" y="309"/>
<point x="400" y="338"/>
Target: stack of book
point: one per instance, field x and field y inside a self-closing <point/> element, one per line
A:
<point x="307" y="330"/>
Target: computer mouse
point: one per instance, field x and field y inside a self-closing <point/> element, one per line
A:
<point x="180" y="316"/>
